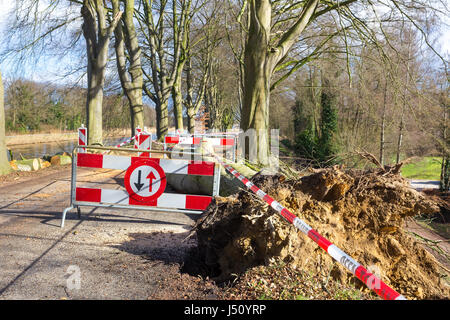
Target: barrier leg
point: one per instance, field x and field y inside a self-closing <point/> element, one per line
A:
<point x="79" y="212"/>
<point x="64" y="215"/>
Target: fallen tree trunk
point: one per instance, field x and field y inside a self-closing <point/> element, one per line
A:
<point x="44" y="164"/>
<point x="60" y="160"/>
<point x="25" y="165"/>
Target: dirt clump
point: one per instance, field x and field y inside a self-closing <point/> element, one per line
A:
<point x="361" y="212"/>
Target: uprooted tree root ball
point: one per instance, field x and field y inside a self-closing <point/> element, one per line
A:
<point x="360" y="212"/>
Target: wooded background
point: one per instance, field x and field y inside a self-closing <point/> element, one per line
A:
<point x="336" y="77"/>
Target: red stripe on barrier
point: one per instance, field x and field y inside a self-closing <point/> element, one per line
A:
<point x="197" y="202"/>
<point x="134" y="159"/>
<point x="204" y="168"/>
<point x="88" y="194"/>
<point x="197" y="140"/>
<point x="90" y="160"/>
<point x="227" y="142"/>
<point x="254" y="188"/>
<point x="151" y="203"/>
<point x="245" y="180"/>
<point x="321" y="241"/>
<point x="172" y="139"/>
<point x="382" y="289"/>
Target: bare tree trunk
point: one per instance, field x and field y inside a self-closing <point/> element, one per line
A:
<point x="163" y="78"/>
<point x="193" y="104"/>
<point x="261" y="58"/>
<point x="162" y="120"/>
<point x="178" y="102"/>
<point x="401" y="126"/>
<point x="132" y="86"/>
<point x="4" y="164"/>
<point x="258" y="71"/>
<point x="444" y="183"/>
<point x="97" y="36"/>
<point x="383" y="124"/>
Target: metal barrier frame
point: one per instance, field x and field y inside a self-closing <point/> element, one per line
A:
<point x="74" y="204"/>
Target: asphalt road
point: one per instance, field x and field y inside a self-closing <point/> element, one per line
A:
<point x="97" y="257"/>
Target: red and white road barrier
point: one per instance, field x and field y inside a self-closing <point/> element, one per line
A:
<point x="82" y="138"/>
<point x="144" y="181"/>
<point x="340" y="256"/>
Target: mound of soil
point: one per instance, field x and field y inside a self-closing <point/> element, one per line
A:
<point x="362" y="213"/>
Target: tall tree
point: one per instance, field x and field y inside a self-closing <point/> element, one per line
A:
<point x="4" y="164"/>
<point x="260" y="59"/>
<point x="97" y="34"/>
<point x="164" y="32"/>
<point x="130" y="74"/>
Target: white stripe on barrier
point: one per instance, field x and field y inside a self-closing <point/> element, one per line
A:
<point x="172" y="200"/>
<point x="172" y="166"/>
<point x="114" y="196"/>
<point x="116" y="162"/>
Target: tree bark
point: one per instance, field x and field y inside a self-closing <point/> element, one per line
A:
<point x="178" y="103"/>
<point x="4" y="164"/>
<point x="162" y="119"/>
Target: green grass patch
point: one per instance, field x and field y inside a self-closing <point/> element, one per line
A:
<point x="428" y="168"/>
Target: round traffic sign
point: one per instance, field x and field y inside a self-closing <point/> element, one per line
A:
<point x="145" y="180"/>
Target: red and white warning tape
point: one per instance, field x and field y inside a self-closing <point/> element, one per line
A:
<point x="127" y="141"/>
<point x="369" y="279"/>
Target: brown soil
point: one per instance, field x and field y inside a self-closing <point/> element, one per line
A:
<point x="363" y="213"/>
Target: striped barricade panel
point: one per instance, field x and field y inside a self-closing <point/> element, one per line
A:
<point x="91" y="160"/>
<point x="121" y="197"/>
<point x="82" y="138"/>
<point x="143" y="141"/>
